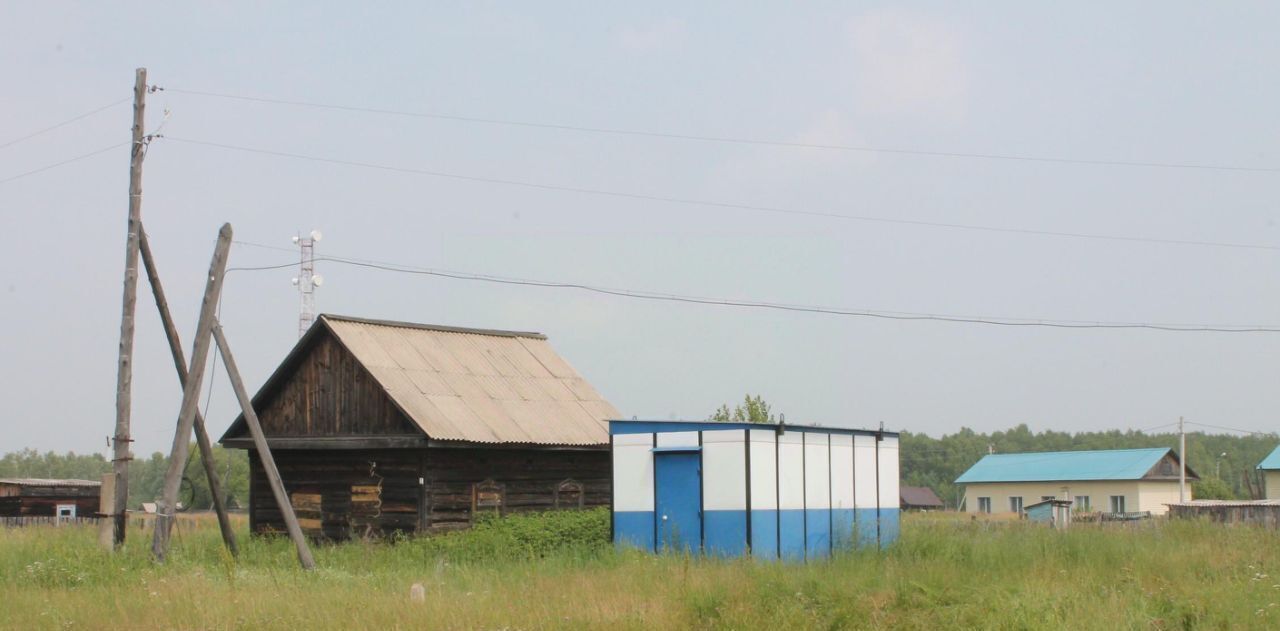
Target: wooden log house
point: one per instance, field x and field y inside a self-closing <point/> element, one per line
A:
<point x="40" y="497"/>
<point x="379" y="427"/>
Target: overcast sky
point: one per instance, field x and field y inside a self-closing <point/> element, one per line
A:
<point x="1139" y="82"/>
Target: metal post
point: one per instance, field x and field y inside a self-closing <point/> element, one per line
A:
<point x="1182" y="462"/>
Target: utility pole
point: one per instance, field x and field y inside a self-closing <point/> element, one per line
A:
<point x="121" y="453"/>
<point x="1182" y="462"/>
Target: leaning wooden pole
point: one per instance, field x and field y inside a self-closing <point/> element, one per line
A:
<point x="121" y="441"/>
<point x="264" y="452"/>
<point x="180" y="364"/>
<point x="190" y="396"/>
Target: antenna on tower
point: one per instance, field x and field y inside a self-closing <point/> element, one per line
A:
<point x="307" y="280"/>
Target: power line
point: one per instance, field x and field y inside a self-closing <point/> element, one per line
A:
<point x="727" y="139"/>
<point x="64" y="123"/>
<point x="753" y="304"/>
<point x="1231" y="429"/>
<point x="64" y="162"/>
<point x="716" y="204"/>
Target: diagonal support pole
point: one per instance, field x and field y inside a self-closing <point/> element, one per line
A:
<point x="180" y="364"/>
<point x="190" y="396"/>
<point x="264" y="451"/>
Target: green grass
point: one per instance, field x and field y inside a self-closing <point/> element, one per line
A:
<point x="557" y="571"/>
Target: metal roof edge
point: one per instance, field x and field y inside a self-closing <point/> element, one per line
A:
<point x="715" y="425"/>
<point x="442" y="328"/>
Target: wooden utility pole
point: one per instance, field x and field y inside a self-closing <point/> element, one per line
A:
<point x="1182" y="461"/>
<point x="121" y="454"/>
<point x="180" y="364"/>
<point x="190" y="395"/>
<point x="264" y="452"/>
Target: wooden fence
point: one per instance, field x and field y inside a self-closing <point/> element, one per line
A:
<point x="47" y="520"/>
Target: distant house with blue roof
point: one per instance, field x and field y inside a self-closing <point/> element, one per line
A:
<point x="1270" y="467"/>
<point x="1111" y="481"/>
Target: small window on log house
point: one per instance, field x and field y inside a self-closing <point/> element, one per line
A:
<point x="569" y="494"/>
<point x="306" y="506"/>
<point x="487" y="497"/>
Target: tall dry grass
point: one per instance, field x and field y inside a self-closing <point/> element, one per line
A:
<point x="945" y="572"/>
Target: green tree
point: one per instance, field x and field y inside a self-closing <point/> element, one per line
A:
<point x="1212" y="489"/>
<point x="752" y="410"/>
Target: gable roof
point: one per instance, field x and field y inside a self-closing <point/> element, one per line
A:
<point x="1272" y="461"/>
<point x="1063" y="466"/>
<point x="469" y="385"/>
<point x="918" y="496"/>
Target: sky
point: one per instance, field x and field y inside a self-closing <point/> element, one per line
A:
<point x="1170" y="82"/>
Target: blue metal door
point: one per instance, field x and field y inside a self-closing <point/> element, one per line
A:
<point x="679" y="500"/>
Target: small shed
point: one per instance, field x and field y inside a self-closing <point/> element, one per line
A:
<point x="40" y="497"/>
<point x="772" y="491"/>
<point x="919" y="498"/>
<point x="1054" y="512"/>
<point x="380" y="427"/>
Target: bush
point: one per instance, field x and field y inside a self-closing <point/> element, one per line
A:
<point x="523" y="536"/>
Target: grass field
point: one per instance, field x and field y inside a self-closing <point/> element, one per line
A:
<point x="946" y="572"/>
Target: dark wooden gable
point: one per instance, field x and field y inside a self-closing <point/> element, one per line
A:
<point x="1167" y="469"/>
<point x="321" y="390"/>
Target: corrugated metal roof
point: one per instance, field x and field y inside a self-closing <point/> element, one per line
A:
<point x="1054" y="466"/>
<point x="1226" y="503"/>
<point x="478" y="385"/>
<point x="1272" y="461"/>
<point x="49" y="482"/>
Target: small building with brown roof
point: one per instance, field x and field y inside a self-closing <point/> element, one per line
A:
<point x="383" y="426"/>
<point x="918" y="498"/>
<point x="41" y="497"/>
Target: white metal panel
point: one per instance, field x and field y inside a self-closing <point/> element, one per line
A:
<point x="864" y="471"/>
<point x="678" y="439"/>
<point x="841" y="471"/>
<point x="791" y="470"/>
<point x="764" y="470"/>
<point x="724" y="470"/>
<point x="817" y="473"/>
<point x="888" y="462"/>
<point x="633" y="472"/>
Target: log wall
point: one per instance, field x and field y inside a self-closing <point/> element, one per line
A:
<point x="336" y="497"/>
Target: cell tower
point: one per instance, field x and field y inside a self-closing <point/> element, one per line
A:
<point x="307" y="280"/>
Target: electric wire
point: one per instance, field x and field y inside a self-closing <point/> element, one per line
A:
<point x="718" y="204"/>
<point x="62" y="163"/>
<point x="727" y="139"/>
<point x="63" y="123"/>
<point x="754" y="304"/>
<point x="1230" y="429"/>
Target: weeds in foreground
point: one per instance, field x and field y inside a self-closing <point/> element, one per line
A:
<point x="558" y="570"/>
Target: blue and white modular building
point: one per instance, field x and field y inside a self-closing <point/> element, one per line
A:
<point x="773" y="491"/>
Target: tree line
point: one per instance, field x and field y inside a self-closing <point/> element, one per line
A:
<point x="146" y="476"/>
<point x="1225" y="463"/>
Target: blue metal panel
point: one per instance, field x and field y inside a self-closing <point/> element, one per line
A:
<point x="677" y="476"/>
<point x="764" y="534"/>
<point x="866" y="525"/>
<point x="791" y="534"/>
<point x="726" y="532"/>
<point x="888" y="526"/>
<point x="817" y="538"/>
<point x="842" y="533"/>
<point x="1040" y="511"/>
<point x="633" y="529"/>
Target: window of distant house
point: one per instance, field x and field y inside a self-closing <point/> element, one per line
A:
<point x="1015" y="504"/>
<point x="1082" y="503"/>
<point x="1117" y="504"/>
<point x="984" y="505"/>
<point x="1166" y="467"/>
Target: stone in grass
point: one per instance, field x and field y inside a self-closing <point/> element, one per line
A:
<point x="417" y="593"/>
